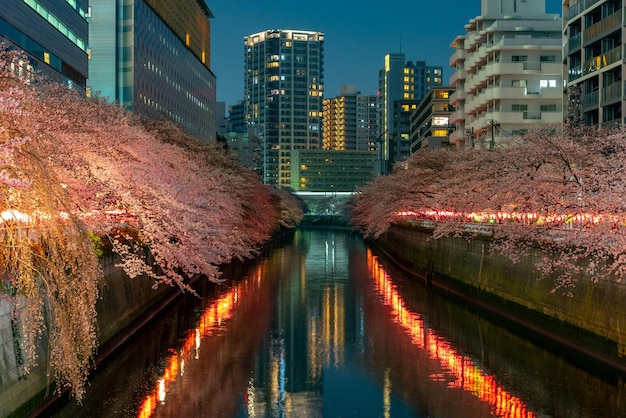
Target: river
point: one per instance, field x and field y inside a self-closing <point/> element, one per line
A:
<point x="323" y="326"/>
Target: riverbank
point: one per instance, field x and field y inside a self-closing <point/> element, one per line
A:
<point x="124" y="307"/>
<point x="589" y="323"/>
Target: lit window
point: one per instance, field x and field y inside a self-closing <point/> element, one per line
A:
<point x="187" y="39"/>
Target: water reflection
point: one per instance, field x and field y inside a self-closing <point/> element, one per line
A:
<point x="458" y="371"/>
<point x="323" y="327"/>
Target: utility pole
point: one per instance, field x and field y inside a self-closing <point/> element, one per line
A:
<point x="470" y="133"/>
<point x="493" y="125"/>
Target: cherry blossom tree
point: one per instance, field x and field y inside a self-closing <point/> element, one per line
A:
<point x="77" y="171"/>
<point x="558" y="190"/>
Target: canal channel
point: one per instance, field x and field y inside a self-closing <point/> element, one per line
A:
<point x="325" y="326"/>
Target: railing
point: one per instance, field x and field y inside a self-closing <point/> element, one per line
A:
<point x="575" y="72"/>
<point x="612" y="21"/>
<point x="532" y="114"/>
<point x="579" y="7"/>
<point x="591" y="99"/>
<point x="575" y="42"/>
<point x="612" y="92"/>
<point x="532" y="65"/>
<point x="614" y="123"/>
<point x="603" y="60"/>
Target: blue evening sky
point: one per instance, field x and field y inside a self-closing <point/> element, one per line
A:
<point x="358" y="34"/>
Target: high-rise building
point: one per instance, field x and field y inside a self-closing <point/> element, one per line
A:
<point x="153" y="57"/>
<point x="55" y="35"/>
<point x="283" y="92"/>
<point x="350" y="120"/>
<point x="594" y="61"/>
<point x="508" y="72"/>
<point x="430" y="122"/>
<point x="400" y="80"/>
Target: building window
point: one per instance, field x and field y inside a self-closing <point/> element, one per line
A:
<point x="519" y="107"/>
<point x="519" y="58"/>
<point x="547" y="58"/>
<point x="547" y="83"/>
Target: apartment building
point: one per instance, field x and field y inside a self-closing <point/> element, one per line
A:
<point x="508" y="72"/>
<point x="594" y="61"/>
<point x="283" y="92"/>
<point x="401" y="80"/>
<point x="350" y="120"/>
<point x="430" y="126"/>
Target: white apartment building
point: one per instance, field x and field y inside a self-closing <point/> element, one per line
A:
<point x="508" y="72"/>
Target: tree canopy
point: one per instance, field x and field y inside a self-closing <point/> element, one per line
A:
<point x="78" y="174"/>
<point x="561" y="190"/>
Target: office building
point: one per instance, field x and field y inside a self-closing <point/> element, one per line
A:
<point x="594" y="62"/>
<point x="430" y="126"/>
<point x="350" y="120"/>
<point x="283" y="92"/>
<point x="400" y="80"/>
<point x="508" y="72"/>
<point x="54" y="34"/>
<point x="321" y="170"/>
<point x="153" y="57"/>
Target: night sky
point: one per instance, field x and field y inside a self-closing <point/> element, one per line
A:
<point x="358" y="34"/>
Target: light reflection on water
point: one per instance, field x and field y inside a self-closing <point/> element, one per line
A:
<point x="324" y="328"/>
<point x="459" y="371"/>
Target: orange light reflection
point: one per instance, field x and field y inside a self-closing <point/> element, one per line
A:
<point x="466" y="374"/>
<point x="212" y="318"/>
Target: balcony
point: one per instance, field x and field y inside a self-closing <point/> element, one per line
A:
<point x="575" y="72"/>
<point x="555" y="93"/>
<point x="575" y="42"/>
<point x="579" y="8"/>
<point x="611" y="93"/>
<point x="591" y="99"/>
<point x="603" y="27"/>
<point x="459" y="55"/>
<point x="457" y="96"/>
<point x="603" y="60"/>
<point x="456" y="76"/>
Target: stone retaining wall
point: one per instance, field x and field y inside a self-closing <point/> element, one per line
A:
<point x="596" y="308"/>
<point x="123" y="304"/>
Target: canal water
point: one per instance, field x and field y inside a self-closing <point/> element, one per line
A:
<point x="324" y="326"/>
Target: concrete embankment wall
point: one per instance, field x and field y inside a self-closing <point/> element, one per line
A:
<point x="592" y="319"/>
<point x="123" y="306"/>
